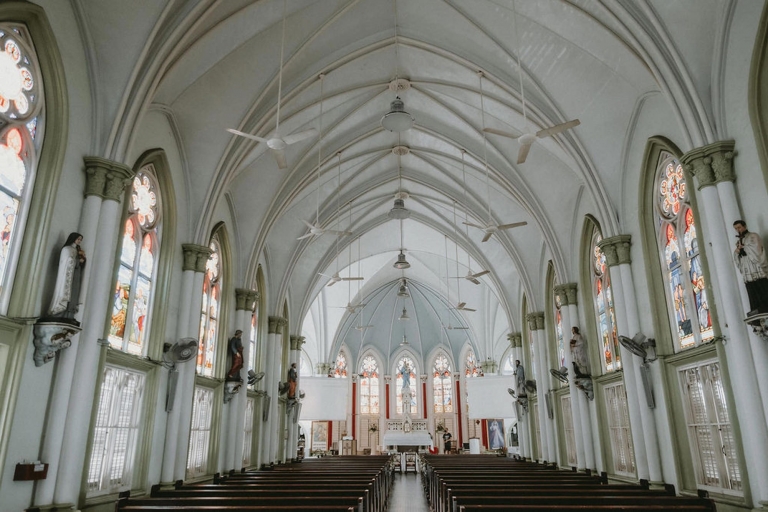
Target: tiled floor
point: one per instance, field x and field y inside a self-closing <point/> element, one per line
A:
<point x="408" y="494"/>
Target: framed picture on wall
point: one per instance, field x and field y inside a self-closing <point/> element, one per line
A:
<point x="319" y="435"/>
<point x="496" y="434"/>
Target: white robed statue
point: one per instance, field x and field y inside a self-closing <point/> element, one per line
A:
<point x="66" y="293"/>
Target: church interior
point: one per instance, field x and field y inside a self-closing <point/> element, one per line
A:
<point x="245" y="236"/>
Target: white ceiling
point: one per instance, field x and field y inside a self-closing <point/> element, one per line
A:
<point x="211" y="65"/>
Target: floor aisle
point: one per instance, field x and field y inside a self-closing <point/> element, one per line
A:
<point x="408" y="494"/>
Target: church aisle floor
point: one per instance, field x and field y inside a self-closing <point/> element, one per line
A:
<point x="408" y="494"/>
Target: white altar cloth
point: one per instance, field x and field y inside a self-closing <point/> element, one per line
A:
<point x="406" y="439"/>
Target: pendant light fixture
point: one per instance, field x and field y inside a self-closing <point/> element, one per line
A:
<point x="399" y="211"/>
<point x="401" y="263"/>
<point x="404" y="342"/>
<point x="404" y="316"/>
<point x="397" y="119"/>
<point x="402" y="292"/>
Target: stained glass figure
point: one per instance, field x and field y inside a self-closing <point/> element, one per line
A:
<point x="471" y="369"/>
<point x="442" y="385"/>
<point x="683" y="272"/>
<point x="369" y="386"/>
<point x="604" y="310"/>
<point x="405" y="362"/>
<point x="209" y="315"/>
<point x="559" y="331"/>
<point x="129" y="324"/>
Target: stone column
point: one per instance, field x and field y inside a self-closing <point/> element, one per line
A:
<point x="745" y="363"/>
<point x="638" y="410"/>
<point x="546" y="381"/>
<point x="198" y="255"/>
<point x="99" y="284"/>
<point x="570" y="292"/>
<point x="516" y="342"/>
<point x="574" y="391"/>
<point x="271" y="381"/>
<point x="293" y="411"/>
<point x="542" y="381"/>
<point x="245" y="305"/>
<point x="96" y="170"/>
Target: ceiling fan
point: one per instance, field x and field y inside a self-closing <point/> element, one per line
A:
<point x="351" y="308"/>
<point x="472" y="278"/>
<point x="528" y="138"/>
<point x="491" y="227"/>
<point x="335" y="278"/>
<point x="461" y="306"/>
<point x="278" y="143"/>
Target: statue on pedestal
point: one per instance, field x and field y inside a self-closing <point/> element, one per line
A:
<point x="236" y="351"/>
<point x="66" y="293"/>
<point x="581" y="368"/>
<point x="749" y="255"/>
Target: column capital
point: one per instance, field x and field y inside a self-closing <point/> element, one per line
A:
<point x="323" y="368"/>
<point x="423" y="378"/>
<point x="106" y="178"/>
<point x="388" y="379"/>
<point x="277" y="324"/>
<point x="195" y="257"/>
<point x="535" y="320"/>
<point x="297" y="342"/>
<point x="559" y="291"/>
<point x="616" y="249"/>
<point x="245" y="299"/>
<point x="711" y="164"/>
<point x="515" y="339"/>
<point x="570" y="293"/>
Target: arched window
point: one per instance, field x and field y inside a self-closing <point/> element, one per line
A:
<point x="209" y="317"/>
<point x="559" y="331"/>
<point x="369" y="386"/>
<point x="681" y="262"/>
<point x="406" y="373"/>
<point x="471" y="369"/>
<point x="603" y="301"/>
<point x="21" y="137"/>
<point x="442" y="385"/>
<point x="508" y="366"/>
<point x="340" y="368"/>
<point x="129" y="326"/>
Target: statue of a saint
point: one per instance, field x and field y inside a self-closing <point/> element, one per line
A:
<point x="66" y="293"/>
<point x="579" y="353"/>
<point x="520" y="378"/>
<point x="405" y="371"/>
<point x="750" y="257"/>
<point x="292" y="376"/>
<point x="236" y="351"/>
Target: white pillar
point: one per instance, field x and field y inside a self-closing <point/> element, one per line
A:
<point x="712" y="165"/>
<point x="542" y="380"/>
<point x="246" y="304"/>
<point x="73" y="451"/>
<point x="271" y="381"/>
<point x="581" y="398"/>
<point x="65" y="364"/>
<point x="186" y="386"/>
<point x="172" y="424"/>
<point x="565" y="316"/>
<point x="634" y="402"/>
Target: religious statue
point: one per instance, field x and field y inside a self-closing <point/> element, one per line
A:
<point x="405" y="371"/>
<point x="520" y="378"/>
<point x="579" y="354"/>
<point x="292" y="376"/>
<point x="236" y="350"/>
<point x="751" y="259"/>
<point x="66" y="293"/>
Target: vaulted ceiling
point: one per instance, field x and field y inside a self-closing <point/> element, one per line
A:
<point x="209" y="65"/>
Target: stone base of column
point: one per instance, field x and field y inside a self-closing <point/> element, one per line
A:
<point x="58" y="507"/>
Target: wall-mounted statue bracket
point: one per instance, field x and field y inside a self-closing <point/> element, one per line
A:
<point x="50" y="337"/>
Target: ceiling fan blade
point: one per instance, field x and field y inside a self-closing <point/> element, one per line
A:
<point x="487" y="236"/>
<point x="501" y="132"/>
<point x="554" y="130"/>
<point x="324" y="275"/>
<point x="513" y="225"/>
<point x="461" y="305"/>
<point x="280" y="157"/>
<point x="523" y="153"/>
<point x="352" y="278"/>
<point x="481" y="274"/>
<point x="473" y="280"/>
<point x="336" y="233"/>
<point x="299" y="136"/>
<point x="459" y="328"/>
<point x="474" y="225"/>
<point x="310" y="226"/>
<point x="333" y="282"/>
<point x="469" y="309"/>
<point x="306" y="236"/>
<point x="246" y="135"/>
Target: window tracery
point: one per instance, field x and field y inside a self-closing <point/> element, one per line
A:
<point x="405" y="365"/>
<point x="340" y="368"/>
<point x="604" y="310"/>
<point x="471" y="368"/>
<point x="442" y="385"/>
<point x="369" y="386"/>
<point x="129" y="324"/>
<point x="209" y="315"/>
<point x="687" y="300"/>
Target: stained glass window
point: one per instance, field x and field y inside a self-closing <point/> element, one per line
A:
<point x="442" y="385"/>
<point x="369" y="386"/>
<point x="340" y="368"/>
<point x="129" y="325"/>
<point x="406" y="374"/>
<point x="253" y="334"/>
<point x="681" y="260"/>
<point x="209" y="315"/>
<point x="471" y="369"/>
<point x="21" y="123"/>
<point x="604" y="311"/>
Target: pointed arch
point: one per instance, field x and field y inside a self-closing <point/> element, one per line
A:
<point x="406" y="372"/>
<point x="370" y="383"/>
<point x="442" y="383"/>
